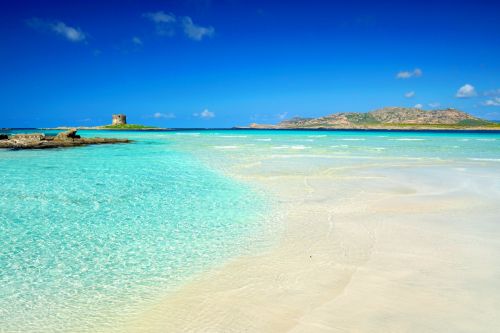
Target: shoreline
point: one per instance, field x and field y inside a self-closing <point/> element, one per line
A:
<point x="97" y="128"/>
<point x="342" y="248"/>
<point x="362" y="130"/>
<point x="380" y="129"/>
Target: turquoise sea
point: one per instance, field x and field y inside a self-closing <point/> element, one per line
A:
<point x="92" y="236"/>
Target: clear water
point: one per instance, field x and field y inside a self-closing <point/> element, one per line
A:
<point x="91" y="236"/>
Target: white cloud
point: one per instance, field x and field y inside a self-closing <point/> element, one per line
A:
<point x="70" y="33"/>
<point x="495" y="101"/>
<point x="466" y="91"/>
<point x="166" y="25"/>
<point x="73" y="34"/>
<point x="205" y="114"/>
<point x="418" y="106"/>
<point x="434" y="105"/>
<point x="196" y="32"/>
<point x="417" y="72"/>
<point x="136" y="40"/>
<point x="160" y="17"/>
<point x="282" y="115"/>
<point x="410" y="94"/>
<point x="164" y="22"/>
<point x="159" y="115"/>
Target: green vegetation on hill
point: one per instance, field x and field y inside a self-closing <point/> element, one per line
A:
<point x="362" y="118"/>
<point x="128" y="126"/>
<point x="487" y="125"/>
<point x="475" y="122"/>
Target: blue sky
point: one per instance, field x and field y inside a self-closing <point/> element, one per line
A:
<point x="220" y="63"/>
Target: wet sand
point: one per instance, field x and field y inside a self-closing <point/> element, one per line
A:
<point x="396" y="247"/>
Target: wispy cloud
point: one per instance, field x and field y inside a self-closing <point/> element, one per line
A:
<point x="159" y="115"/>
<point x="167" y="23"/>
<point x="418" y="106"/>
<point x="205" y="114"/>
<point x="466" y="91"/>
<point x="136" y="40"/>
<point x="282" y="116"/>
<point x="73" y="34"/>
<point x="434" y="105"/>
<point x="164" y="22"/>
<point x="160" y="17"/>
<point x="410" y="94"/>
<point x="493" y="92"/>
<point x="196" y="32"/>
<point x="495" y="101"/>
<point x="417" y="72"/>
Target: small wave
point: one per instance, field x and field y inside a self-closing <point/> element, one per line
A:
<point x="485" y="140"/>
<point x="298" y="147"/>
<point x="337" y="146"/>
<point x="352" y="139"/>
<point x="232" y="136"/>
<point x="266" y="139"/>
<point x="484" y="159"/>
<point x="194" y="134"/>
<point x="409" y="139"/>
<point x="316" y="136"/>
<point x="226" y="147"/>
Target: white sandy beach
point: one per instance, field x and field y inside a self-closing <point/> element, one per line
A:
<point x="396" y="247"/>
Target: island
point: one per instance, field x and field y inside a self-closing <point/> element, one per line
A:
<point x="118" y="122"/>
<point x="42" y="141"/>
<point x="389" y="118"/>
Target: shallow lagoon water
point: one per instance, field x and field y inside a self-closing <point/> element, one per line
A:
<point x="94" y="235"/>
<point x="90" y="236"/>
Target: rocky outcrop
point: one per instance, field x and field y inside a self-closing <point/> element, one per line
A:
<point x="68" y="135"/>
<point x="64" y="139"/>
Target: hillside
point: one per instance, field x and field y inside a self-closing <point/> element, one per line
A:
<point x="389" y="117"/>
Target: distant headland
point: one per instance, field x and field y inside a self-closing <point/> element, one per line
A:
<point x="118" y="122"/>
<point x="390" y="118"/>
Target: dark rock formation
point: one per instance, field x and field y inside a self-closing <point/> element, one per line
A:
<point x="65" y="139"/>
<point x="4" y="137"/>
<point x="68" y="135"/>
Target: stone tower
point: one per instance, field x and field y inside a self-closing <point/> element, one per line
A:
<point x="119" y="119"/>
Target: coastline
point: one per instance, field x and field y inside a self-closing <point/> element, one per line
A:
<point x="370" y="249"/>
<point x="243" y="128"/>
<point x="379" y="128"/>
<point x="99" y="128"/>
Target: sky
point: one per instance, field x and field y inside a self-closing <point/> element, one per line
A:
<point x="221" y="63"/>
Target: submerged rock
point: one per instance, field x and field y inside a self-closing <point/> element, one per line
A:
<point x="64" y="139"/>
<point x="4" y="137"/>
